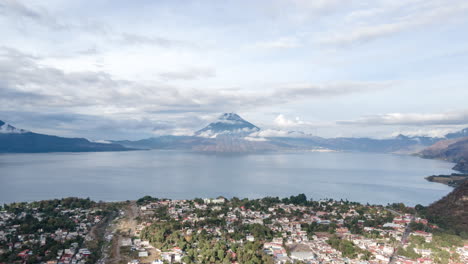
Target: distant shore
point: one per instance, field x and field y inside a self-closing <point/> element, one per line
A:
<point x="452" y="180"/>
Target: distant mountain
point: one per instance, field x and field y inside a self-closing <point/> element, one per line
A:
<point x="231" y="133"/>
<point x="224" y="143"/>
<point x="400" y="144"/>
<point x="9" y="129"/>
<point x="167" y="142"/>
<point x="228" y="124"/>
<point x="13" y="140"/>
<point x="450" y="212"/>
<point x="459" y="134"/>
<point x="454" y="150"/>
<point x="228" y="134"/>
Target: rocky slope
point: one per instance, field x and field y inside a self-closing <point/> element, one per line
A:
<point x="454" y="150"/>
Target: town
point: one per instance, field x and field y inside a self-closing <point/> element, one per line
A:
<point x="289" y="230"/>
<point x="220" y="230"/>
<point x="55" y="231"/>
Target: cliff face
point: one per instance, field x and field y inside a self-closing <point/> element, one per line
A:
<point x="454" y="150"/>
<point x="451" y="212"/>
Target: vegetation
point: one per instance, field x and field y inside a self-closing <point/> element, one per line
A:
<point x="201" y="247"/>
<point x="348" y="249"/>
<point x="450" y="212"/>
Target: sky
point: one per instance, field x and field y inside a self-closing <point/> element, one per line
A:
<point x="111" y="69"/>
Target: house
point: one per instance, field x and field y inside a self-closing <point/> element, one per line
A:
<point x="278" y="240"/>
<point x="302" y="255"/>
<point x="24" y="253"/>
<point x="125" y="242"/>
<point x="219" y="200"/>
<point x="393" y="225"/>
<point x="425" y="261"/>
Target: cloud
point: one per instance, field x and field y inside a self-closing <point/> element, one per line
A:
<point x="282" y="121"/>
<point x="281" y="43"/>
<point x="270" y="133"/>
<point x="12" y="94"/>
<point x="429" y="132"/>
<point x="97" y="91"/>
<point x="95" y="127"/>
<point x="302" y="10"/>
<point x="411" y="119"/>
<point x="188" y="74"/>
<point x="266" y="133"/>
<point x="37" y="15"/>
<point x="256" y="139"/>
<point x="331" y="89"/>
<point x="28" y="83"/>
<point x="14" y="8"/>
<point x="393" y="17"/>
<point x="135" y="39"/>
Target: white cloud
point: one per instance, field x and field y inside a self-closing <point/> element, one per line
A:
<point x="269" y="133"/>
<point x="189" y="74"/>
<point x="412" y="119"/>
<point x="303" y="90"/>
<point x="281" y="43"/>
<point x="430" y="132"/>
<point x="393" y="17"/>
<point x="89" y="92"/>
<point x="265" y="133"/>
<point x="257" y="139"/>
<point x="282" y="121"/>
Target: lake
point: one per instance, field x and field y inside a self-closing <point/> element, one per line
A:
<point x="117" y="176"/>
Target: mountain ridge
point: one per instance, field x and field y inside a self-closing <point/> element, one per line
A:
<point x="14" y="140"/>
<point x="228" y="123"/>
<point x="228" y="133"/>
<point x="6" y="128"/>
<point x="232" y="125"/>
<point x="453" y="150"/>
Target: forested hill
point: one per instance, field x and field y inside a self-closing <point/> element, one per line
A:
<point x="451" y="211"/>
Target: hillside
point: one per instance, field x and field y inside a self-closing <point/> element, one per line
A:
<point x="451" y="211"/>
<point x="13" y="140"/>
<point x="454" y="150"/>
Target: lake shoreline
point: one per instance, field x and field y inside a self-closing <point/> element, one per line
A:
<point x="452" y="180"/>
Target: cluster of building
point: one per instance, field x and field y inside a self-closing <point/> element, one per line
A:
<point x="293" y="243"/>
<point x="20" y="242"/>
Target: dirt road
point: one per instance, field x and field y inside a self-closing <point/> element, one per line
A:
<point x="124" y="228"/>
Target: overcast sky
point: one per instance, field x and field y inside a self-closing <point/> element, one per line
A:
<point x="132" y="69"/>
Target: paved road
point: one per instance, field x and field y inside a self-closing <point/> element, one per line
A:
<point x="403" y="240"/>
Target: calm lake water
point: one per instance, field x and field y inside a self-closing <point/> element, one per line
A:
<point x="117" y="176"/>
